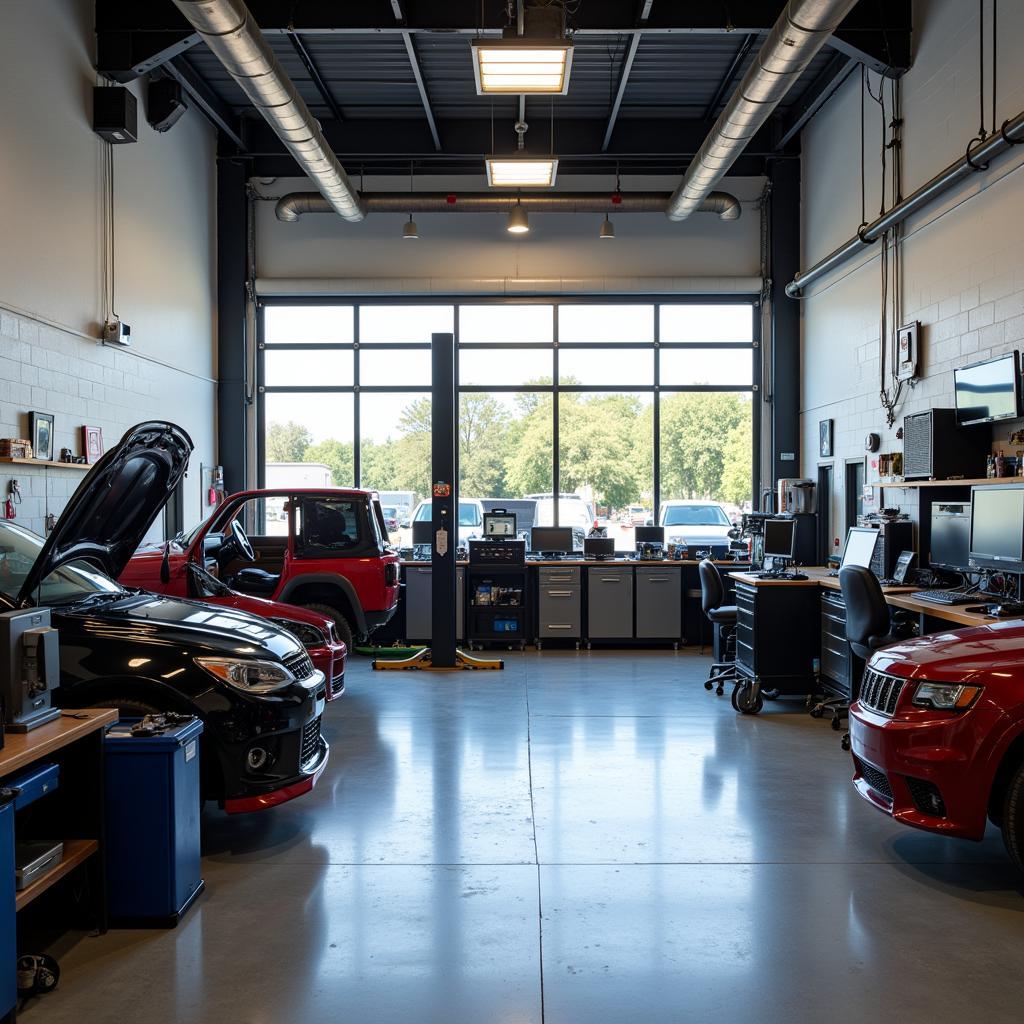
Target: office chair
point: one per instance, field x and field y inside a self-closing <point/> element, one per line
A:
<point x="723" y="618"/>
<point x="870" y="626"/>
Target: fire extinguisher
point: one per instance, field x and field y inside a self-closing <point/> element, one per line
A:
<point x="13" y="499"/>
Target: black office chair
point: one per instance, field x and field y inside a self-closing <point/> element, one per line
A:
<point x="723" y="618"/>
<point x="870" y="626"/>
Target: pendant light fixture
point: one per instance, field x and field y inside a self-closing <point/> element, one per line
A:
<point x="607" y="229"/>
<point x="518" y="223"/>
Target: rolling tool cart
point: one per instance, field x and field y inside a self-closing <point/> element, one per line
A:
<point x="153" y="801"/>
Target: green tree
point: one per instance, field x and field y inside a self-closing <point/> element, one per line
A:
<point x="336" y="454"/>
<point x="483" y="425"/>
<point x="287" y="442"/>
<point x="736" y="477"/>
<point x="528" y="457"/>
<point x="695" y="428"/>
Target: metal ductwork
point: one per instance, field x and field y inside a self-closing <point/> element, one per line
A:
<point x="229" y="30"/>
<point x="801" y="31"/>
<point x="291" y="207"/>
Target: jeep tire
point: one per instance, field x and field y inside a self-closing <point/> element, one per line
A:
<point x="341" y="625"/>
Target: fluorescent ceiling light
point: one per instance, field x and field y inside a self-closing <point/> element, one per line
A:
<point x="521" y="172"/>
<point x="521" y="65"/>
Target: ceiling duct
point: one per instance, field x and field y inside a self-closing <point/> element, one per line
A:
<point x="291" y="207"/>
<point x="801" y="31"/>
<point x="233" y="36"/>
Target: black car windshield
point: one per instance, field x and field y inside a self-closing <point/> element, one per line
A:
<point x="695" y="515"/>
<point x="73" y="581"/>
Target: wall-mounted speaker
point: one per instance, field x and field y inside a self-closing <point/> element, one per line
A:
<point x="165" y="103"/>
<point x="115" y="114"/>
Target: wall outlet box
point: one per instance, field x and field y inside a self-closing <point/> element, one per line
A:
<point x="906" y="351"/>
<point x="115" y="114"/>
<point x="116" y="333"/>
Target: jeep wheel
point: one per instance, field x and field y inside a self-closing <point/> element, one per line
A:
<point x="341" y="624"/>
<point x="1013" y="817"/>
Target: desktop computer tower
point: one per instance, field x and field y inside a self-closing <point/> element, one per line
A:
<point x="894" y="536"/>
<point x="805" y="539"/>
<point x="935" y="448"/>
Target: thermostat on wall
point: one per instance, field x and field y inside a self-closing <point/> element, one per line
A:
<point x="906" y="351"/>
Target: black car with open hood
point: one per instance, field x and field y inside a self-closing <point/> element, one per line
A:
<point x="251" y="681"/>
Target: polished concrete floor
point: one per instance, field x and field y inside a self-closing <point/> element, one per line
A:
<point x="582" y="838"/>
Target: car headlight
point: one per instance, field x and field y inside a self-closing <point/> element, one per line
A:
<point x="307" y="635"/>
<point x="245" y="674"/>
<point x="945" y="696"/>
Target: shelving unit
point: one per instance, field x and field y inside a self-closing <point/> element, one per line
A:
<point x="82" y="467"/>
<point x="974" y="481"/>
<point x="76" y="851"/>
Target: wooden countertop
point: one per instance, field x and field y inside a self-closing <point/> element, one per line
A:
<point x="593" y="562"/>
<point x="22" y="748"/>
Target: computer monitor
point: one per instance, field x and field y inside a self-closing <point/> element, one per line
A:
<point x="422" y="531"/>
<point x="647" y="534"/>
<point x="860" y="546"/>
<point x="551" y="538"/>
<point x="500" y="525"/>
<point x="997" y="528"/>
<point x="950" y="546"/>
<point x="779" y="538"/>
<point x="599" y="547"/>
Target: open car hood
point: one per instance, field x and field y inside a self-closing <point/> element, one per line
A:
<point x="107" y="517"/>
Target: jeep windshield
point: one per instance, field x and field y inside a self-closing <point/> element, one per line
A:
<point x="695" y="515"/>
<point x="70" y="583"/>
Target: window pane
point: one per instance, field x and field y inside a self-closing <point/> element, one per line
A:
<point x="404" y="323"/>
<point x="605" y="456"/>
<point x="622" y="366"/>
<point x="395" y="455"/>
<point x="505" y="323"/>
<point x="595" y="324"/>
<point x="498" y="366"/>
<point x="706" y="454"/>
<point x="308" y="325"/>
<point x="707" y="323"/>
<point x="680" y="366"/>
<point x="330" y="368"/>
<point x="403" y="367"/>
<point x="308" y="440"/>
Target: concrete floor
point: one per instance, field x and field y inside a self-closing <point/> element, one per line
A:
<point x="582" y="838"/>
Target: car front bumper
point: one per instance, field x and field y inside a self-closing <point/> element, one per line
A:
<point x="330" y="659"/>
<point x="922" y="771"/>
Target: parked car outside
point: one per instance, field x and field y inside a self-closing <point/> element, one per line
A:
<point x="573" y="511"/>
<point x="471" y="518"/>
<point x="637" y="515"/>
<point x="249" y="680"/>
<point x="695" y="523"/>
<point x="334" y="557"/>
<point x="937" y="734"/>
<point x="391" y="523"/>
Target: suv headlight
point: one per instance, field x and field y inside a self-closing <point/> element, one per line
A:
<point x="245" y="674"/>
<point x="307" y="635"/>
<point x="945" y="696"/>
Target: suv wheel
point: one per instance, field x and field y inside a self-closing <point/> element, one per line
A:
<point x="341" y="624"/>
<point x="1013" y="817"/>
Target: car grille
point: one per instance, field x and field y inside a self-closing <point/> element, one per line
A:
<point x="880" y="692"/>
<point x="300" y="665"/>
<point x="337" y="684"/>
<point x="310" y="742"/>
<point x="875" y="779"/>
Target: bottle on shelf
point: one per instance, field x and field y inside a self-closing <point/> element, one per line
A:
<point x="1000" y="464"/>
<point x="990" y="467"/>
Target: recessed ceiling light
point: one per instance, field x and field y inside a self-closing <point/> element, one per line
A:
<point x="522" y="65"/>
<point x="521" y="172"/>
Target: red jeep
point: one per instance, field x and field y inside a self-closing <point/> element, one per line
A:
<point x="937" y="733"/>
<point x="325" y="549"/>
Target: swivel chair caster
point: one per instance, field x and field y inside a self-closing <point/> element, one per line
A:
<point x="836" y="724"/>
<point x="720" y="691"/>
<point x="845" y="744"/>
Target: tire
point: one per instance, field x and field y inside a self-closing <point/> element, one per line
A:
<point x="341" y="624"/>
<point x="1013" y="817"/>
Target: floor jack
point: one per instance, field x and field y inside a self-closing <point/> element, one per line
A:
<point x="423" y="661"/>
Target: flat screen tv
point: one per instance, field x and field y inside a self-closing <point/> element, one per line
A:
<point x="988" y="391"/>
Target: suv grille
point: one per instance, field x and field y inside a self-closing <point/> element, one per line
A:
<point x="310" y="742"/>
<point x="875" y="779"/>
<point x="880" y="692"/>
<point x="300" y="665"/>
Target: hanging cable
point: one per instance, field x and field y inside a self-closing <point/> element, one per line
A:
<point x="995" y="61"/>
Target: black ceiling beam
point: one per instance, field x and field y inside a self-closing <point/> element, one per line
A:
<point x="217" y="112"/>
<point x="727" y="79"/>
<point x="816" y="95"/>
<point x="314" y="74"/>
<point x="410" y="48"/>
<point x="643" y="14"/>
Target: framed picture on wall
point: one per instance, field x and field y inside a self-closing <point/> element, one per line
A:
<point x="40" y="429"/>
<point x="825" y="439"/>
<point x="92" y="444"/>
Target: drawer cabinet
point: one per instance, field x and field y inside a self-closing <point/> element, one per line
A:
<point x="610" y="603"/>
<point x="419" y="602"/>
<point x="659" y="603"/>
<point x="559" y="603"/>
<point x="837" y="660"/>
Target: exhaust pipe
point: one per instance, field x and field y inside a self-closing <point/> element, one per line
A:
<point x="291" y="207"/>
<point x="229" y="30"/>
<point x="801" y="31"/>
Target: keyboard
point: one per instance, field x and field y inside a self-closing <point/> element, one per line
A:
<point x="945" y="596"/>
<point x="781" y="576"/>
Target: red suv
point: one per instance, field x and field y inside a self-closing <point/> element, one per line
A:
<point x="937" y="733"/>
<point x="325" y="549"/>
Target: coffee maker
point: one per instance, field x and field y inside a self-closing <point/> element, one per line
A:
<point x="794" y="496"/>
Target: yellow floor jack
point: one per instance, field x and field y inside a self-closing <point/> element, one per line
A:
<point x="423" y="661"/>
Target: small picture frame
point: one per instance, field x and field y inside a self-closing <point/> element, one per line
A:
<point x="40" y="429"/>
<point x="825" y="439"/>
<point x="92" y="444"/>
